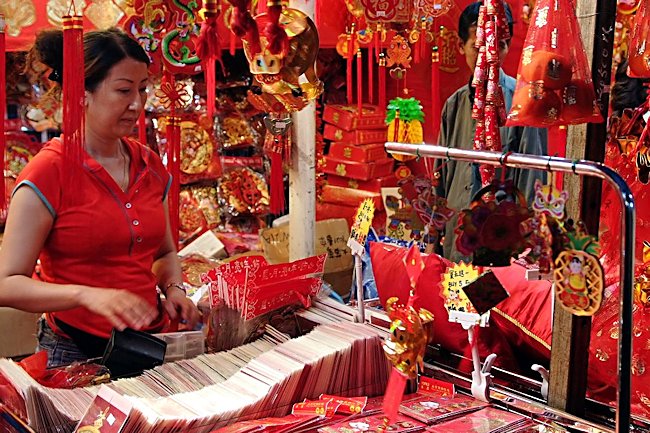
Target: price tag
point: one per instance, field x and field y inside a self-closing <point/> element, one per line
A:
<point x="457" y="303"/>
<point x="429" y="385"/>
<point x="361" y="226"/>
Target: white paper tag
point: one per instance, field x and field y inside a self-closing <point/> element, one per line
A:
<point x="208" y="245"/>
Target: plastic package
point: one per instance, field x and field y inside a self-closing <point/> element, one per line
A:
<point x="554" y="85"/>
<point x="183" y="345"/>
<point x="639" y="51"/>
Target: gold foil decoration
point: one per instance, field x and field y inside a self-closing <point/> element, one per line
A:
<point x="103" y="14"/>
<point x="542" y="17"/>
<point x="56" y="9"/>
<point x="448" y="49"/>
<point x="196" y="148"/>
<point x="17" y="14"/>
<point x="638" y="365"/>
<point x="601" y="355"/>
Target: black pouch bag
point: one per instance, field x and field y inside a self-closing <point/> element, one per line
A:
<point x="130" y="352"/>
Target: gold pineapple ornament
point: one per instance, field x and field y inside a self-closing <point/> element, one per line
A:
<point x="578" y="276"/>
<point x="404" y="117"/>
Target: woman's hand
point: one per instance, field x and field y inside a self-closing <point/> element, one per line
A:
<point x="122" y="308"/>
<point x="178" y="304"/>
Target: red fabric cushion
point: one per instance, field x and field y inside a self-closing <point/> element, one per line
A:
<point x="523" y="327"/>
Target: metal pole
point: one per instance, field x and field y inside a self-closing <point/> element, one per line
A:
<point x="628" y="229"/>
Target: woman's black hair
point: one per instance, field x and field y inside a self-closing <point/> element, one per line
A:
<point x="102" y="50"/>
<point x="627" y="92"/>
<point x="469" y="18"/>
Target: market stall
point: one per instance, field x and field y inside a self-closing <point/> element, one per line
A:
<point x="303" y="199"/>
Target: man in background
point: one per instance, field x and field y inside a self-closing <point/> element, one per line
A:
<point x="460" y="181"/>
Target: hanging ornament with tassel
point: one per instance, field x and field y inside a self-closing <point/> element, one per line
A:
<point x="173" y="96"/>
<point x="73" y="93"/>
<point x="3" y="104"/>
<point x="208" y="49"/>
<point x="280" y="45"/>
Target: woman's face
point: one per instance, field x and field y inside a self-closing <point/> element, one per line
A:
<point x="113" y="108"/>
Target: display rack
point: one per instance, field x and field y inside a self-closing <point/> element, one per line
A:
<point x="581" y="168"/>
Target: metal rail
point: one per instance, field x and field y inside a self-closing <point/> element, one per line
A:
<point x="583" y="168"/>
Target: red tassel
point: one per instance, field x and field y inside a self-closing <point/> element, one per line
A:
<point x="3" y="105"/>
<point x="348" y="74"/>
<point x="371" y="78"/>
<point x="233" y="42"/>
<point x="208" y="49"/>
<point x="275" y="147"/>
<point x="557" y="139"/>
<point x="382" y="81"/>
<point x="394" y="393"/>
<point x="142" y="128"/>
<point x="173" y="133"/>
<point x="277" y="183"/>
<point x="73" y="94"/>
<point x="435" y="92"/>
<point x="359" y="82"/>
<point x="377" y="41"/>
<point x="423" y="39"/>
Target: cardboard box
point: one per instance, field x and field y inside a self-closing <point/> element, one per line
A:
<point x="358" y="170"/>
<point x="18" y="336"/>
<point x="341" y="281"/>
<point x="331" y="238"/>
<point x="348" y="118"/>
<point x="359" y="136"/>
<point x="360" y="153"/>
<point x="350" y="196"/>
<point x="326" y="211"/>
<point x="373" y="185"/>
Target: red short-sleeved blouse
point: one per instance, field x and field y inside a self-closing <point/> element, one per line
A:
<point x="102" y="236"/>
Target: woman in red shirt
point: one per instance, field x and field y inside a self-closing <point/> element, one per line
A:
<point x="104" y="244"/>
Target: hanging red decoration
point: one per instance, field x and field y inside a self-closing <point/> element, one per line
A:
<point x="554" y="86"/>
<point x="147" y="26"/>
<point x="73" y="92"/>
<point x="142" y="128"/>
<point x="395" y="11"/>
<point x="382" y="81"/>
<point x="359" y="82"/>
<point x="208" y="49"/>
<point x="281" y="45"/>
<point x="350" y="39"/>
<point x="173" y="134"/>
<point x="639" y="51"/>
<point x="3" y="105"/>
<point x="489" y="104"/>
<point x="171" y="95"/>
<point x="371" y="78"/>
<point x="180" y="39"/>
<point x="435" y="91"/>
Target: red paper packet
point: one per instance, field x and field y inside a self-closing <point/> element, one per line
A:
<point x="554" y="85"/>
